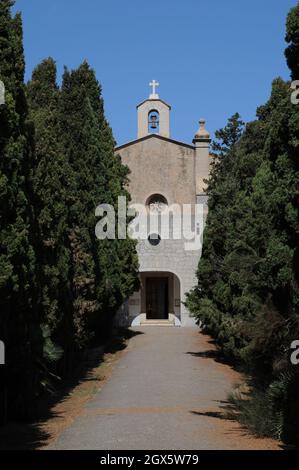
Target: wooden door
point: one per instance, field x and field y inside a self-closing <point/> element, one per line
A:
<point x="157" y="298"/>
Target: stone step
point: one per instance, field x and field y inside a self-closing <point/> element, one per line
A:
<point x="157" y="323"/>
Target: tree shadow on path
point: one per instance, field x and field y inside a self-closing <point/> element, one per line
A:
<point x="32" y="435"/>
<point x="210" y="354"/>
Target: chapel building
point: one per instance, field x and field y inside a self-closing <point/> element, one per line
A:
<point x="164" y="173"/>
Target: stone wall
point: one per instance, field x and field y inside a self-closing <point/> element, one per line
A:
<point x="160" y="166"/>
<point x="170" y="256"/>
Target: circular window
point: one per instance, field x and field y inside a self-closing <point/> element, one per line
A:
<point x="157" y="203"/>
<point x="154" y="239"/>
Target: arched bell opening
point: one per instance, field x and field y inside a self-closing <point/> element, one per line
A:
<point x="153" y="122"/>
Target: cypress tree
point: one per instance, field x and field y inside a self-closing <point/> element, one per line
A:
<point x="104" y="272"/>
<point x="247" y="294"/>
<point x="52" y="185"/>
<point x="19" y="318"/>
<point x="292" y="37"/>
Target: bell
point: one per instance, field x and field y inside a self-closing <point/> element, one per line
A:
<point x="154" y="122"/>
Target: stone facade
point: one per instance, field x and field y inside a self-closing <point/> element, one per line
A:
<point x="160" y="166"/>
<point x="174" y="171"/>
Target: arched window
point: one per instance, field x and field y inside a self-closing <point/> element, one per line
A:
<point x="157" y="203"/>
<point x="153" y="122"/>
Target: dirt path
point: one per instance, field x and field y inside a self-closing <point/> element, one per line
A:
<point x="165" y="392"/>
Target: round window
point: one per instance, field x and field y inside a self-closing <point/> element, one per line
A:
<point x="154" y="239"/>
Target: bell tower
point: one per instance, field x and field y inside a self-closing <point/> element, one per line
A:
<point x="153" y="115"/>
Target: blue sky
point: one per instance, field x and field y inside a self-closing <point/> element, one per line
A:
<point x="211" y="57"/>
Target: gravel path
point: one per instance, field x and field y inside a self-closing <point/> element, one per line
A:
<point x="166" y="392"/>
